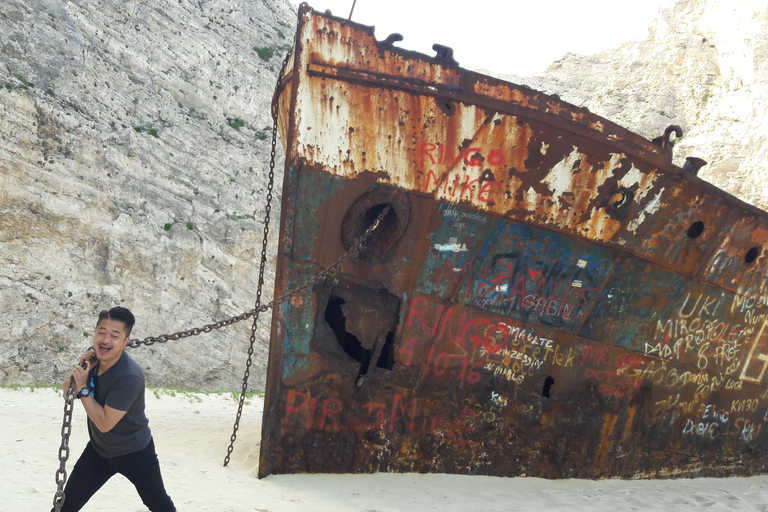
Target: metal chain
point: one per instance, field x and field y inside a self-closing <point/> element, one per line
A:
<point x="267" y="211"/>
<point x="61" y="474"/>
<point x="66" y="430"/>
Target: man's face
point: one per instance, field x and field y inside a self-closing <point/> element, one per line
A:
<point x="109" y="340"/>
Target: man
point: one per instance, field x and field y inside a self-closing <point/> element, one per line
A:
<point x="111" y="389"/>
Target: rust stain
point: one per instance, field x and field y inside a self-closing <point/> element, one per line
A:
<point x="626" y="436"/>
<point x="605" y="440"/>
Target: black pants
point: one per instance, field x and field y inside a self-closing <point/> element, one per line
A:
<point x="141" y="468"/>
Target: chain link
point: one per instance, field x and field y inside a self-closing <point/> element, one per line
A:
<point x="66" y="430"/>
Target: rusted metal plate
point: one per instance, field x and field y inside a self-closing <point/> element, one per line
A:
<point x="548" y="295"/>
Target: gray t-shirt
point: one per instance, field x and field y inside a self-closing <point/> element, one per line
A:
<point x="121" y="387"/>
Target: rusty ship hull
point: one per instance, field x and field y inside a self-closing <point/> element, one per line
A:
<point x="548" y="296"/>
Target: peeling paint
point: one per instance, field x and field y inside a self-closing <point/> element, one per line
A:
<point x="653" y="206"/>
<point x="559" y="178"/>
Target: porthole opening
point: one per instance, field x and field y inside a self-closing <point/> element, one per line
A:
<point x="752" y="254"/>
<point x="696" y="229"/>
<point x="363" y="213"/>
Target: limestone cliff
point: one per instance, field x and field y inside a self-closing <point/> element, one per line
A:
<point x="135" y="138"/>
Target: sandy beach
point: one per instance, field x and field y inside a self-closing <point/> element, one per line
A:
<point x="192" y="431"/>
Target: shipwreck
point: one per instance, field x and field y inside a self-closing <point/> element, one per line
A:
<point x="547" y="294"/>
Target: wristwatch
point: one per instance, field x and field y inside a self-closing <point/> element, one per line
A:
<point x="83" y="393"/>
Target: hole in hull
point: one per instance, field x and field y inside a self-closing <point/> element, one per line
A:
<point x="617" y="204"/>
<point x="387" y="357"/>
<point x="548" y="383"/>
<point x="352" y="346"/>
<point x="334" y="317"/>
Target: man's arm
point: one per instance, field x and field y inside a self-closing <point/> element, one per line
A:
<point x="105" y="418"/>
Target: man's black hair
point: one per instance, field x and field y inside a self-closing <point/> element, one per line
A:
<point x="119" y="314"/>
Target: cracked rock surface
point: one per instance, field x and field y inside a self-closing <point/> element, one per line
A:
<point x="134" y="153"/>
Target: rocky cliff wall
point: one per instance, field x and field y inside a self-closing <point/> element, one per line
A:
<point x="135" y="138"/>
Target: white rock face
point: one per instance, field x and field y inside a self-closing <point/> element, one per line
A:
<point x="134" y="154"/>
<point x="134" y="150"/>
<point x="703" y="66"/>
